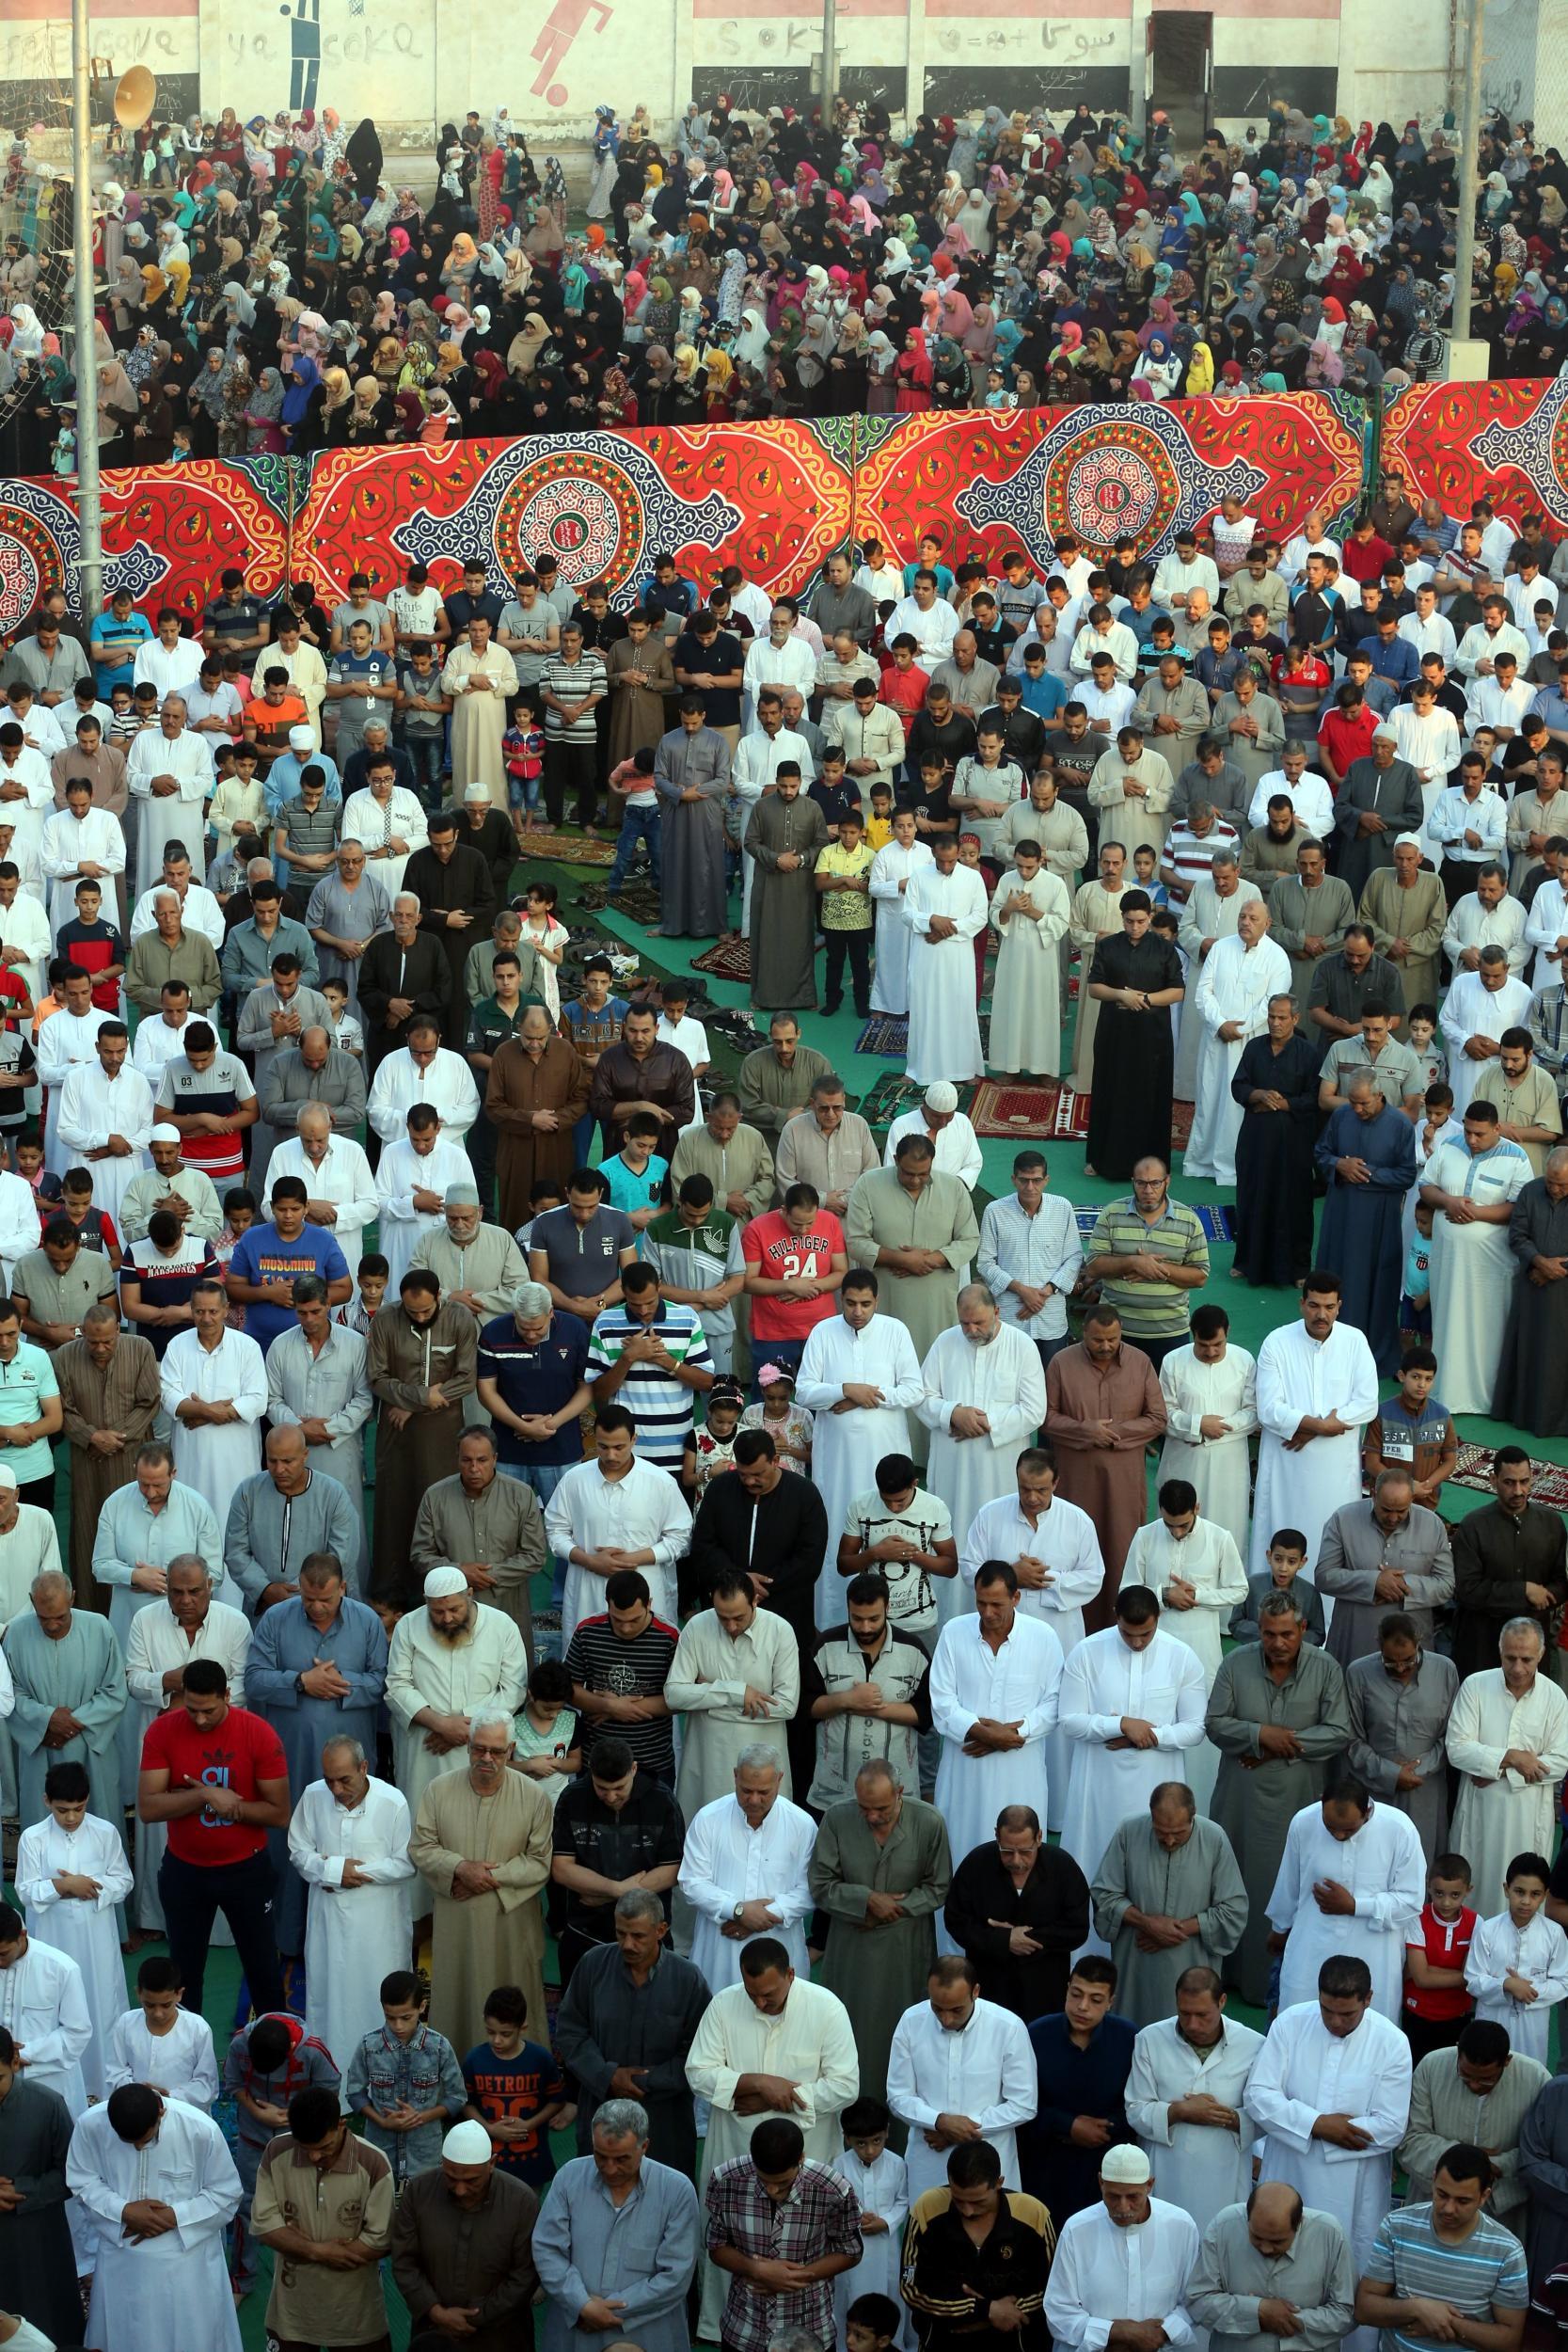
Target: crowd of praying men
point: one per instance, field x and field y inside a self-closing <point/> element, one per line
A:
<point x="861" y="1602"/>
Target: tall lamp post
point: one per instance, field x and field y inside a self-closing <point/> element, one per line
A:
<point x="88" y="502"/>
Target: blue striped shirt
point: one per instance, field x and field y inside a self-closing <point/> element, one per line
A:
<point x="1486" y="2271"/>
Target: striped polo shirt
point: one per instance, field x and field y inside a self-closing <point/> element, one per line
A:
<point x="1487" y="2268"/>
<point x="1156" y="1311"/>
<point x="661" y="1405"/>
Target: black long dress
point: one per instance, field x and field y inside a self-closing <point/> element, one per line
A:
<point x="38" y="2265"/>
<point x="1274" y="1162"/>
<point x="1532" y="1375"/>
<point x="1135" y="1056"/>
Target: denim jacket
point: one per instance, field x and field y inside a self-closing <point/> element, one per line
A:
<point x="386" y="2072"/>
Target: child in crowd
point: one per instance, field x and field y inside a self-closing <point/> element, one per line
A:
<point x="71" y="1873"/>
<point x="880" y="2180"/>
<point x="266" y="2062"/>
<point x="543" y="929"/>
<point x="1437" y="2003"/>
<point x="1431" y="1060"/>
<point x="96" y="1225"/>
<point x="787" y="1424"/>
<point x="515" y="2090"/>
<point x="1146" y="875"/>
<point x="904" y="1535"/>
<point x="523" y="757"/>
<point x="239" y="1214"/>
<point x="1518" y="1965"/>
<point x="406" y="2081"/>
<point x="28" y="1159"/>
<point x="632" y="785"/>
<point x="356" y="1314"/>
<point x="346" y="1033"/>
<point x="637" y="1178"/>
<point x="1414" y="1431"/>
<point x="1287" y="1559"/>
<point x="162" y="2043"/>
<point x="547" y="1748"/>
<point x="878" y="831"/>
<point x="710" y="1450"/>
<point x="543" y="1195"/>
<point x="1415" y="1297"/>
<point x="872" y="2324"/>
<point x="677" y="1027"/>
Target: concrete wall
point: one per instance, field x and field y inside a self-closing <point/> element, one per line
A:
<point x="412" y="63"/>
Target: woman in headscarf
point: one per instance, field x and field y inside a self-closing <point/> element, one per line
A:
<point x="118" y="409"/>
<point x="605" y="148"/>
<point x="913" y="377"/>
<point x="302" y="404"/>
<point x="206" y="399"/>
<point x="152" y="435"/>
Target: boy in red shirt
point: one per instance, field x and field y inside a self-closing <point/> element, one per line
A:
<point x="217" y="1775"/>
<point x="1436" y="2005"/>
<point x="796" y="1259"/>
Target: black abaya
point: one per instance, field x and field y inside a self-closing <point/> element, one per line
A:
<point x="1135" y="1056"/>
<point x="1274" y="1162"/>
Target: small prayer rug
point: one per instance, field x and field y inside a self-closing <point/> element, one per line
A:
<point x="1021" y="1111"/>
<point x="570" y="848"/>
<point x="1548" y="1479"/>
<point x="892" y="1095"/>
<point x="1072" y="1116"/>
<point x="887" y="1034"/>
<point x="727" y="960"/>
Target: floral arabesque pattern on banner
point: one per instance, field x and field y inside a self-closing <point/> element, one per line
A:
<point x="776" y="497"/>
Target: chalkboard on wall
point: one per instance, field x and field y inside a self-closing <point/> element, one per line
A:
<point x="966" y="89"/>
<point x="1244" y="92"/>
<point x="753" y="88"/>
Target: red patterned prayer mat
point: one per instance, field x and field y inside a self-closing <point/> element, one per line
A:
<point x="727" y="960"/>
<point x="1548" y="1479"/>
<point x="1021" y="1111"/>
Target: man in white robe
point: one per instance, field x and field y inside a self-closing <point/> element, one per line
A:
<point x="735" y="1676"/>
<point x="411" y="1185"/>
<point x="744" y="1870"/>
<point x="1030" y="911"/>
<point x="614" y="1512"/>
<point x="1212" y="914"/>
<point x="67" y="1921"/>
<point x="891" y="869"/>
<point x="983" y="1399"/>
<point x="1052" y="1549"/>
<point x="1316" y="1392"/>
<point x="165" y="1638"/>
<point x="423" y="1071"/>
<point x="1508" y="1741"/>
<point x="1330" y="2092"/>
<point x="214" y="1390"/>
<point x="1231" y="1005"/>
<point x="944" y="908"/>
<point x="336" y="1175"/>
<point x="1186" y="2093"/>
<point x="1479" y="1006"/>
<point x="157" y="2181"/>
<point x="1470" y="1188"/>
<point x="348" y="1841"/>
<point x="26" y="797"/>
<point x="1131" y="1700"/>
<point x="859" y="1376"/>
<point x="26" y="939"/>
<point x="1211" y="1392"/>
<point x="1126" y="2259"/>
<point x="106" y="1117"/>
<point x="68" y="1041"/>
<point x="80" y="843"/>
<point x="449" y="1664"/>
<point x="1195" y="1571"/>
<point x="44" y="2007"/>
<point x="771" y="2045"/>
<point x="1351" y="1879"/>
<point x="993" y="1692"/>
<point x="948" y="1131"/>
<point x="168" y="772"/>
<point x="959" y="2067"/>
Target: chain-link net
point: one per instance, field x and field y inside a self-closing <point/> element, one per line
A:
<point x="35" y="209"/>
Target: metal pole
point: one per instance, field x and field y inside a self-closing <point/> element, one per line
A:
<point x="830" y="58"/>
<point x="88" y="507"/>
<point x="1471" y="16"/>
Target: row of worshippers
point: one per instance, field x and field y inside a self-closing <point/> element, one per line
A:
<point x="1344" y="1820"/>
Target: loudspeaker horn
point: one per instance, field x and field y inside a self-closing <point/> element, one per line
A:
<point x="136" y="95"/>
